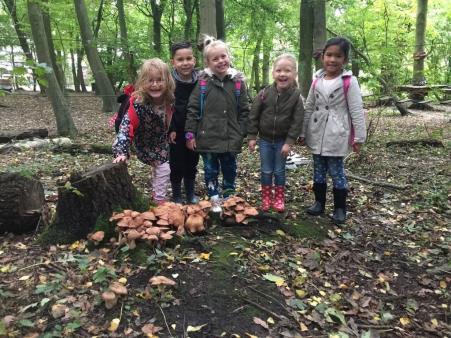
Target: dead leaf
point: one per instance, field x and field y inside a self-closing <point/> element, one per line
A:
<point x="261" y="322"/>
<point x="150" y="329"/>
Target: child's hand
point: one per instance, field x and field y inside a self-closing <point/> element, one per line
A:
<point x="120" y="158"/>
<point x="191" y="144"/>
<point x="285" y="150"/>
<point x="251" y="144"/>
<point x="172" y="136"/>
<point x="356" y="147"/>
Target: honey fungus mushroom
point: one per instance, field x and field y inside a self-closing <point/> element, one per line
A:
<point x="110" y="299"/>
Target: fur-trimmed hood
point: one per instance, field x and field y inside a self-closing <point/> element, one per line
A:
<point x="232" y="73"/>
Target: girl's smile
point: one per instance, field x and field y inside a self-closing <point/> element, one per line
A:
<point x="284" y="74"/>
<point x="218" y="61"/>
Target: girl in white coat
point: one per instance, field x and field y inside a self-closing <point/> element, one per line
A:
<point x="334" y="124"/>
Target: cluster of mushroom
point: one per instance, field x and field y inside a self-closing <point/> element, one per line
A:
<point x="238" y="209"/>
<point x="113" y="293"/>
<point x="159" y="224"/>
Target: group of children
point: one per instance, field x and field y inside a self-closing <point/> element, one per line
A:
<point x="176" y="116"/>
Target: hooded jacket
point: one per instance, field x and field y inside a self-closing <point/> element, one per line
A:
<point x="275" y="116"/>
<point x="328" y="116"/>
<point x="223" y="124"/>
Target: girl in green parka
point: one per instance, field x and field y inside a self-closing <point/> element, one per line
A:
<point x="276" y="118"/>
<point x="216" y="120"/>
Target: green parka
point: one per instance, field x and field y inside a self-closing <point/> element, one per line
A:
<point x="222" y="127"/>
<point x="276" y="116"/>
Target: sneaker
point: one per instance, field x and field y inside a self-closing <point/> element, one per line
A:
<point x="215" y="204"/>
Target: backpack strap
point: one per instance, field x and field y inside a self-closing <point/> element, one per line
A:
<point x="346" y="85"/>
<point x="203" y="92"/>
<point x="237" y="94"/>
<point x="134" y="119"/>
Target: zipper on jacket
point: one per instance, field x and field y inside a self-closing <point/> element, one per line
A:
<point x="275" y="118"/>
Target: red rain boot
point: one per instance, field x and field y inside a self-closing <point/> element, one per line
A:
<point x="279" y="198"/>
<point x="266" y="197"/>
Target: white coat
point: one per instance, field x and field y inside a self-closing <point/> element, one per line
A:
<point x="327" y="119"/>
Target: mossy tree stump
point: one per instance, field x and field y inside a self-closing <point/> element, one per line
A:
<point x="21" y="203"/>
<point x="87" y="196"/>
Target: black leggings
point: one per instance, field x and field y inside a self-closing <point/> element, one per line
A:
<point x="183" y="162"/>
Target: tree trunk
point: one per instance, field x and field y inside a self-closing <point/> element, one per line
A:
<point x="103" y="83"/>
<point x="48" y="33"/>
<point x="22" y="203"/>
<point x="220" y="24"/>
<point x="319" y="31"/>
<point x="131" y="70"/>
<point x="74" y="71"/>
<point x="65" y="124"/>
<point x="207" y="11"/>
<point x="255" y="73"/>
<point x="267" y="47"/>
<point x="90" y="195"/>
<point x="188" y="8"/>
<point x="157" y="12"/>
<point x="306" y="46"/>
<point x="12" y="135"/>
<point x="80" y="76"/>
<point x="419" y="55"/>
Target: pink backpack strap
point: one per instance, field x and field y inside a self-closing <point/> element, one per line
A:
<point x="134" y="119"/>
<point x="346" y="85"/>
<point x="315" y="80"/>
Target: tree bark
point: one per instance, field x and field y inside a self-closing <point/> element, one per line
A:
<point x="220" y="23"/>
<point x="306" y="46"/>
<point x="419" y="55"/>
<point x="64" y="123"/>
<point x="80" y="76"/>
<point x="22" y="203"/>
<point x="207" y="11"/>
<point x="188" y="8"/>
<point x="90" y="195"/>
<point x="131" y="69"/>
<point x="319" y="31"/>
<point x="11" y="135"/>
<point x="48" y="33"/>
<point x="255" y="73"/>
<point x="157" y="12"/>
<point x="103" y="83"/>
<point x="74" y="71"/>
<point x="267" y="46"/>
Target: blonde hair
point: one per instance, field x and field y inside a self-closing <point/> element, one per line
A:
<point x="288" y="57"/>
<point x="215" y="44"/>
<point x="149" y="67"/>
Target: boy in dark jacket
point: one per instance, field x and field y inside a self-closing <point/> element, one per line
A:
<point x="183" y="162"/>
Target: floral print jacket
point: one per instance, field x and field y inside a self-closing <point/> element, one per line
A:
<point x="150" y="137"/>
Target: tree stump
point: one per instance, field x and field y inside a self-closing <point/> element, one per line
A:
<point x="21" y="203"/>
<point x="89" y="195"/>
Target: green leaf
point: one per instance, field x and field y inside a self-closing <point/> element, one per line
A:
<point x="274" y="278"/>
<point x="44" y="301"/>
<point x="296" y="304"/>
<point x="19" y="71"/>
<point x="333" y="315"/>
<point x="2" y="328"/>
<point x="26" y="323"/>
<point x="386" y="316"/>
<point x="73" y="326"/>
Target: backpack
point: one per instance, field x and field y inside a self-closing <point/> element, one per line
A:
<point x="346" y="84"/>
<point x="124" y="100"/>
<point x="203" y="91"/>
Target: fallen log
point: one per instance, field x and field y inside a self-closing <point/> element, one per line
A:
<point x="86" y="196"/>
<point x="21" y="203"/>
<point x="11" y="135"/>
<point x="79" y="148"/>
<point x="378" y="183"/>
<point x="423" y="142"/>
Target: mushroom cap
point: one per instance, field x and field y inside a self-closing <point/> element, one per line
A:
<point x="124" y="222"/>
<point x="110" y="299"/>
<point x="149" y="215"/>
<point x="192" y="209"/>
<point x="116" y="215"/>
<point x="194" y="222"/>
<point x="158" y="280"/>
<point x="118" y="288"/>
<point x="98" y="236"/>
<point x="135" y="214"/>
<point x="166" y="236"/>
<point x="240" y="217"/>
<point x="127" y="212"/>
<point x="177" y="217"/>
<point x="250" y="211"/>
<point x="162" y="222"/>
<point x="133" y="234"/>
<point x="153" y="231"/>
<point x="239" y="207"/>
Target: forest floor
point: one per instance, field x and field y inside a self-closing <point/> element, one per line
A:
<point x="385" y="273"/>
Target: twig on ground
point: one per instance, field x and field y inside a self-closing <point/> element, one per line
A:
<point x="165" y="321"/>
<point x="266" y="296"/>
<point x="378" y="183"/>
<point x="261" y="307"/>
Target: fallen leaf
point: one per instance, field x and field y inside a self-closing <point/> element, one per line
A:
<point x="250" y="335"/>
<point x="195" y="328"/>
<point x="270" y="320"/>
<point x="58" y="310"/>
<point x="274" y="278"/>
<point x="150" y="329"/>
<point x="26" y="277"/>
<point x="114" y="324"/>
<point x="303" y="327"/>
<point x="205" y="256"/>
<point x="261" y="322"/>
<point x="404" y="321"/>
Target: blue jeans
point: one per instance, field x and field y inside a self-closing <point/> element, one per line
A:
<point x="333" y="165"/>
<point x="226" y="162"/>
<point x="272" y="162"/>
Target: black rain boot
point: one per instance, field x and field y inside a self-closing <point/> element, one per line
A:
<point x="191" y="198"/>
<point x="339" y="216"/>
<point x="320" y="199"/>
<point x="176" y="192"/>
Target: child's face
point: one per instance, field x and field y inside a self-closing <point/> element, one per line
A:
<point x="333" y="60"/>
<point x="155" y="86"/>
<point x="218" y="61"/>
<point x="183" y="62"/>
<point x="284" y="74"/>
